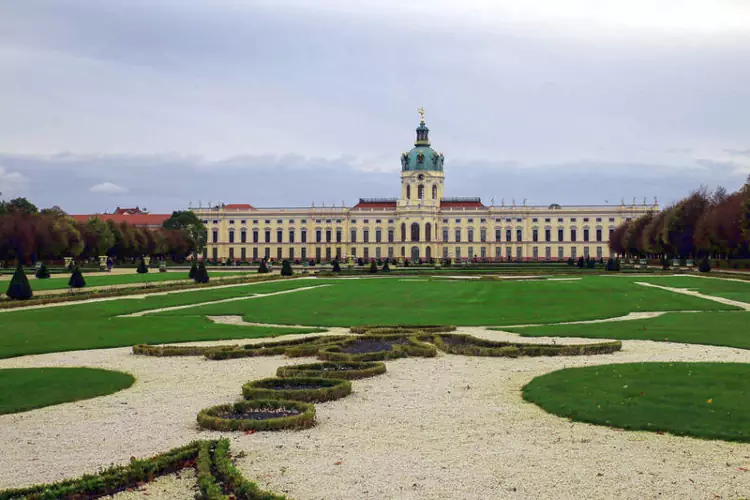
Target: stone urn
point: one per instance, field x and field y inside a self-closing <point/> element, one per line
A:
<point x="68" y="260"/>
<point x="102" y="262"/>
<point x="147" y="260"/>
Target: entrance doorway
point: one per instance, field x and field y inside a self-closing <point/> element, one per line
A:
<point x="415" y="254"/>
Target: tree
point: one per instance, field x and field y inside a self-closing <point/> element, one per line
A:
<point x="262" y="268"/>
<point x="19" y="288"/>
<point x="286" y="268"/>
<point x="97" y="237"/>
<point x="201" y="275"/>
<point x="42" y="272"/>
<point x="189" y="222"/>
<point x="76" y="278"/>
<point x="682" y="220"/>
<point x="617" y="237"/>
<point x="19" y="206"/>
<point x="373" y="266"/>
<point x="336" y="268"/>
<point x="142" y="268"/>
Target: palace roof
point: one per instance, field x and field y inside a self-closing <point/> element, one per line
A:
<point x="239" y="206"/>
<point x="470" y="203"/>
<point x="376" y="203"/>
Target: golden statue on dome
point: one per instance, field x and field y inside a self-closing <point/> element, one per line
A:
<point x="420" y="110"/>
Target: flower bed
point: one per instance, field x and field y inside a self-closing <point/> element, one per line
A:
<point x="469" y="345"/>
<point x="377" y="348"/>
<point x="335" y="370"/>
<point x="258" y="415"/>
<point x="297" y="389"/>
<point x="292" y="348"/>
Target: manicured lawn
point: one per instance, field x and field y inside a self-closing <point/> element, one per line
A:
<point x="710" y="328"/>
<point x="707" y="400"/>
<point x="458" y="302"/>
<point x="735" y="290"/>
<point x="23" y="389"/>
<point x="61" y="282"/>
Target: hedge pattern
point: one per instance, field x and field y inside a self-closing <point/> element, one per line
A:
<point x="211" y="418"/>
<point x="326" y="389"/>
<point x="210" y="459"/>
<point x="468" y="345"/>
<point x="414" y="347"/>
<point x="403" y="329"/>
<point x="336" y="370"/>
<point x="294" y="348"/>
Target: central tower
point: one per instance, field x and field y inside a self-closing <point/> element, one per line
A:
<point x="421" y="172"/>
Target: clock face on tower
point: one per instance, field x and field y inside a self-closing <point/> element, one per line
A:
<point x="420" y="177"/>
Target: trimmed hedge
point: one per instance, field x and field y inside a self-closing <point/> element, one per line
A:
<point x="170" y="350"/>
<point x="336" y="370"/>
<point x="413" y="348"/>
<point x="233" y="480"/>
<point x="327" y="389"/>
<point x="383" y="329"/>
<point x="299" y="347"/>
<point x="469" y="345"/>
<point x="211" y="418"/>
<point x="209" y="488"/>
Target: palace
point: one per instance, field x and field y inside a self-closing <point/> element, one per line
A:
<point x="419" y="224"/>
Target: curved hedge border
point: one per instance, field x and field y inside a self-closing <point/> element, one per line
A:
<point x="210" y="458"/>
<point x="474" y="346"/>
<point x="298" y="347"/>
<point x="328" y="389"/>
<point x="413" y="348"/>
<point x="210" y="418"/>
<point x="383" y="329"/>
<point x="169" y="350"/>
<point x="342" y="370"/>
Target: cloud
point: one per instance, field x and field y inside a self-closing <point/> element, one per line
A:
<point x="11" y="182"/>
<point x="108" y="188"/>
<point x="738" y="152"/>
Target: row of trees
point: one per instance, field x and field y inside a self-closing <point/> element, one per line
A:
<point x="703" y="224"/>
<point x="28" y="235"/>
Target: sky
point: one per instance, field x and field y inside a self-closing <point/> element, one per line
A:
<point x="166" y="104"/>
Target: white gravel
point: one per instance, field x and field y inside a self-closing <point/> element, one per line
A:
<point x="182" y="484"/>
<point x="442" y="428"/>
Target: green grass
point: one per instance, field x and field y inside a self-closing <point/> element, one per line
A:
<point x="706" y="400"/>
<point x="735" y="290"/>
<point x="23" y="389"/>
<point x="341" y="303"/>
<point x="458" y="302"/>
<point x="731" y="329"/>
<point x="60" y="282"/>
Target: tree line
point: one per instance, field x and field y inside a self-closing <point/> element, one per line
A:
<point x="29" y="235"/>
<point x="701" y="225"/>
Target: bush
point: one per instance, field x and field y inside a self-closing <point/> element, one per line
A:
<point x="76" y="279"/>
<point x="336" y="369"/>
<point x="286" y="268"/>
<point x="142" y="268"/>
<point x="318" y="389"/>
<point x="217" y="417"/>
<point x="336" y="268"/>
<point x="469" y="345"/>
<point x="262" y="268"/>
<point x="19" y="288"/>
<point x="705" y="265"/>
<point x="386" y="269"/>
<point x="580" y="262"/>
<point x="571" y="262"/>
<point x="373" y="266"/>
<point x="664" y="263"/>
<point x="193" y="269"/>
<point x="400" y="347"/>
<point x="43" y="272"/>
<point x="201" y="274"/>
<point x="613" y="264"/>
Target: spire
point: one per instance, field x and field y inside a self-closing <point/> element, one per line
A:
<point x="423" y="132"/>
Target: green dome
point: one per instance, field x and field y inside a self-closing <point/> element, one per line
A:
<point x="422" y="156"/>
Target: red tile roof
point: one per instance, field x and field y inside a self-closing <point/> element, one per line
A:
<point x="135" y="219"/>
<point x="377" y="206"/>
<point x="461" y="204"/>
<point x="239" y="206"/>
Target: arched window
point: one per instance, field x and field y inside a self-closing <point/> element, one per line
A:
<point x="420" y="192"/>
<point x="415" y="231"/>
<point x="403" y="232"/>
<point x="408" y="192"/>
<point x="428" y="232"/>
<point x="231" y="236"/>
<point x="434" y="192"/>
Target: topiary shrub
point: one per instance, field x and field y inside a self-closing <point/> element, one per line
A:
<point x="286" y="268"/>
<point x="613" y="264"/>
<point x="19" y="288"/>
<point x="43" y="272"/>
<point x="373" y="266"/>
<point x="336" y="369"/>
<point x="309" y="390"/>
<point x="263" y="267"/>
<point x="201" y="274"/>
<point x="193" y="269"/>
<point x="705" y="265"/>
<point x="335" y="267"/>
<point x="260" y="415"/>
<point x="76" y="279"/>
<point x="142" y="268"/>
<point x="664" y="263"/>
<point x="571" y="262"/>
<point x="386" y="269"/>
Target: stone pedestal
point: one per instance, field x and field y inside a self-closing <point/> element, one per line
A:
<point x="102" y="262"/>
<point x="68" y="260"/>
<point x="147" y="260"/>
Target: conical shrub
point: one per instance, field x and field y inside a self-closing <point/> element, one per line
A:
<point x="201" y="275"/>
<point x="373" y="266"/>
<point x="42" y="272"/>
<point x="76" y="279"/>
<point x="263" y="268"/>
<point x="336" y="267"/>
<point x="286" y="268"/>
<point x="142" y="268"/>
<point x="19" y="287"/>
<point x="386" y="268"/>
<point x="193" y="269"/>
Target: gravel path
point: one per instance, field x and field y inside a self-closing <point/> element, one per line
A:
<point x="441" y="428"/>
<point x="178" y="485"/>
<point x="694" y="293"/>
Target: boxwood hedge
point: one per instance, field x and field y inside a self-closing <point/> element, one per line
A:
<point x="324" y="389"/>
<point x="215" y="417"/>
<point x="336" y="369"/>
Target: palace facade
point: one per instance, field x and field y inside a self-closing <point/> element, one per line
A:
<point x="420" y="224"/>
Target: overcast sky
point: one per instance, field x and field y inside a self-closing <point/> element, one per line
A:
<point x="160" y="103"/>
